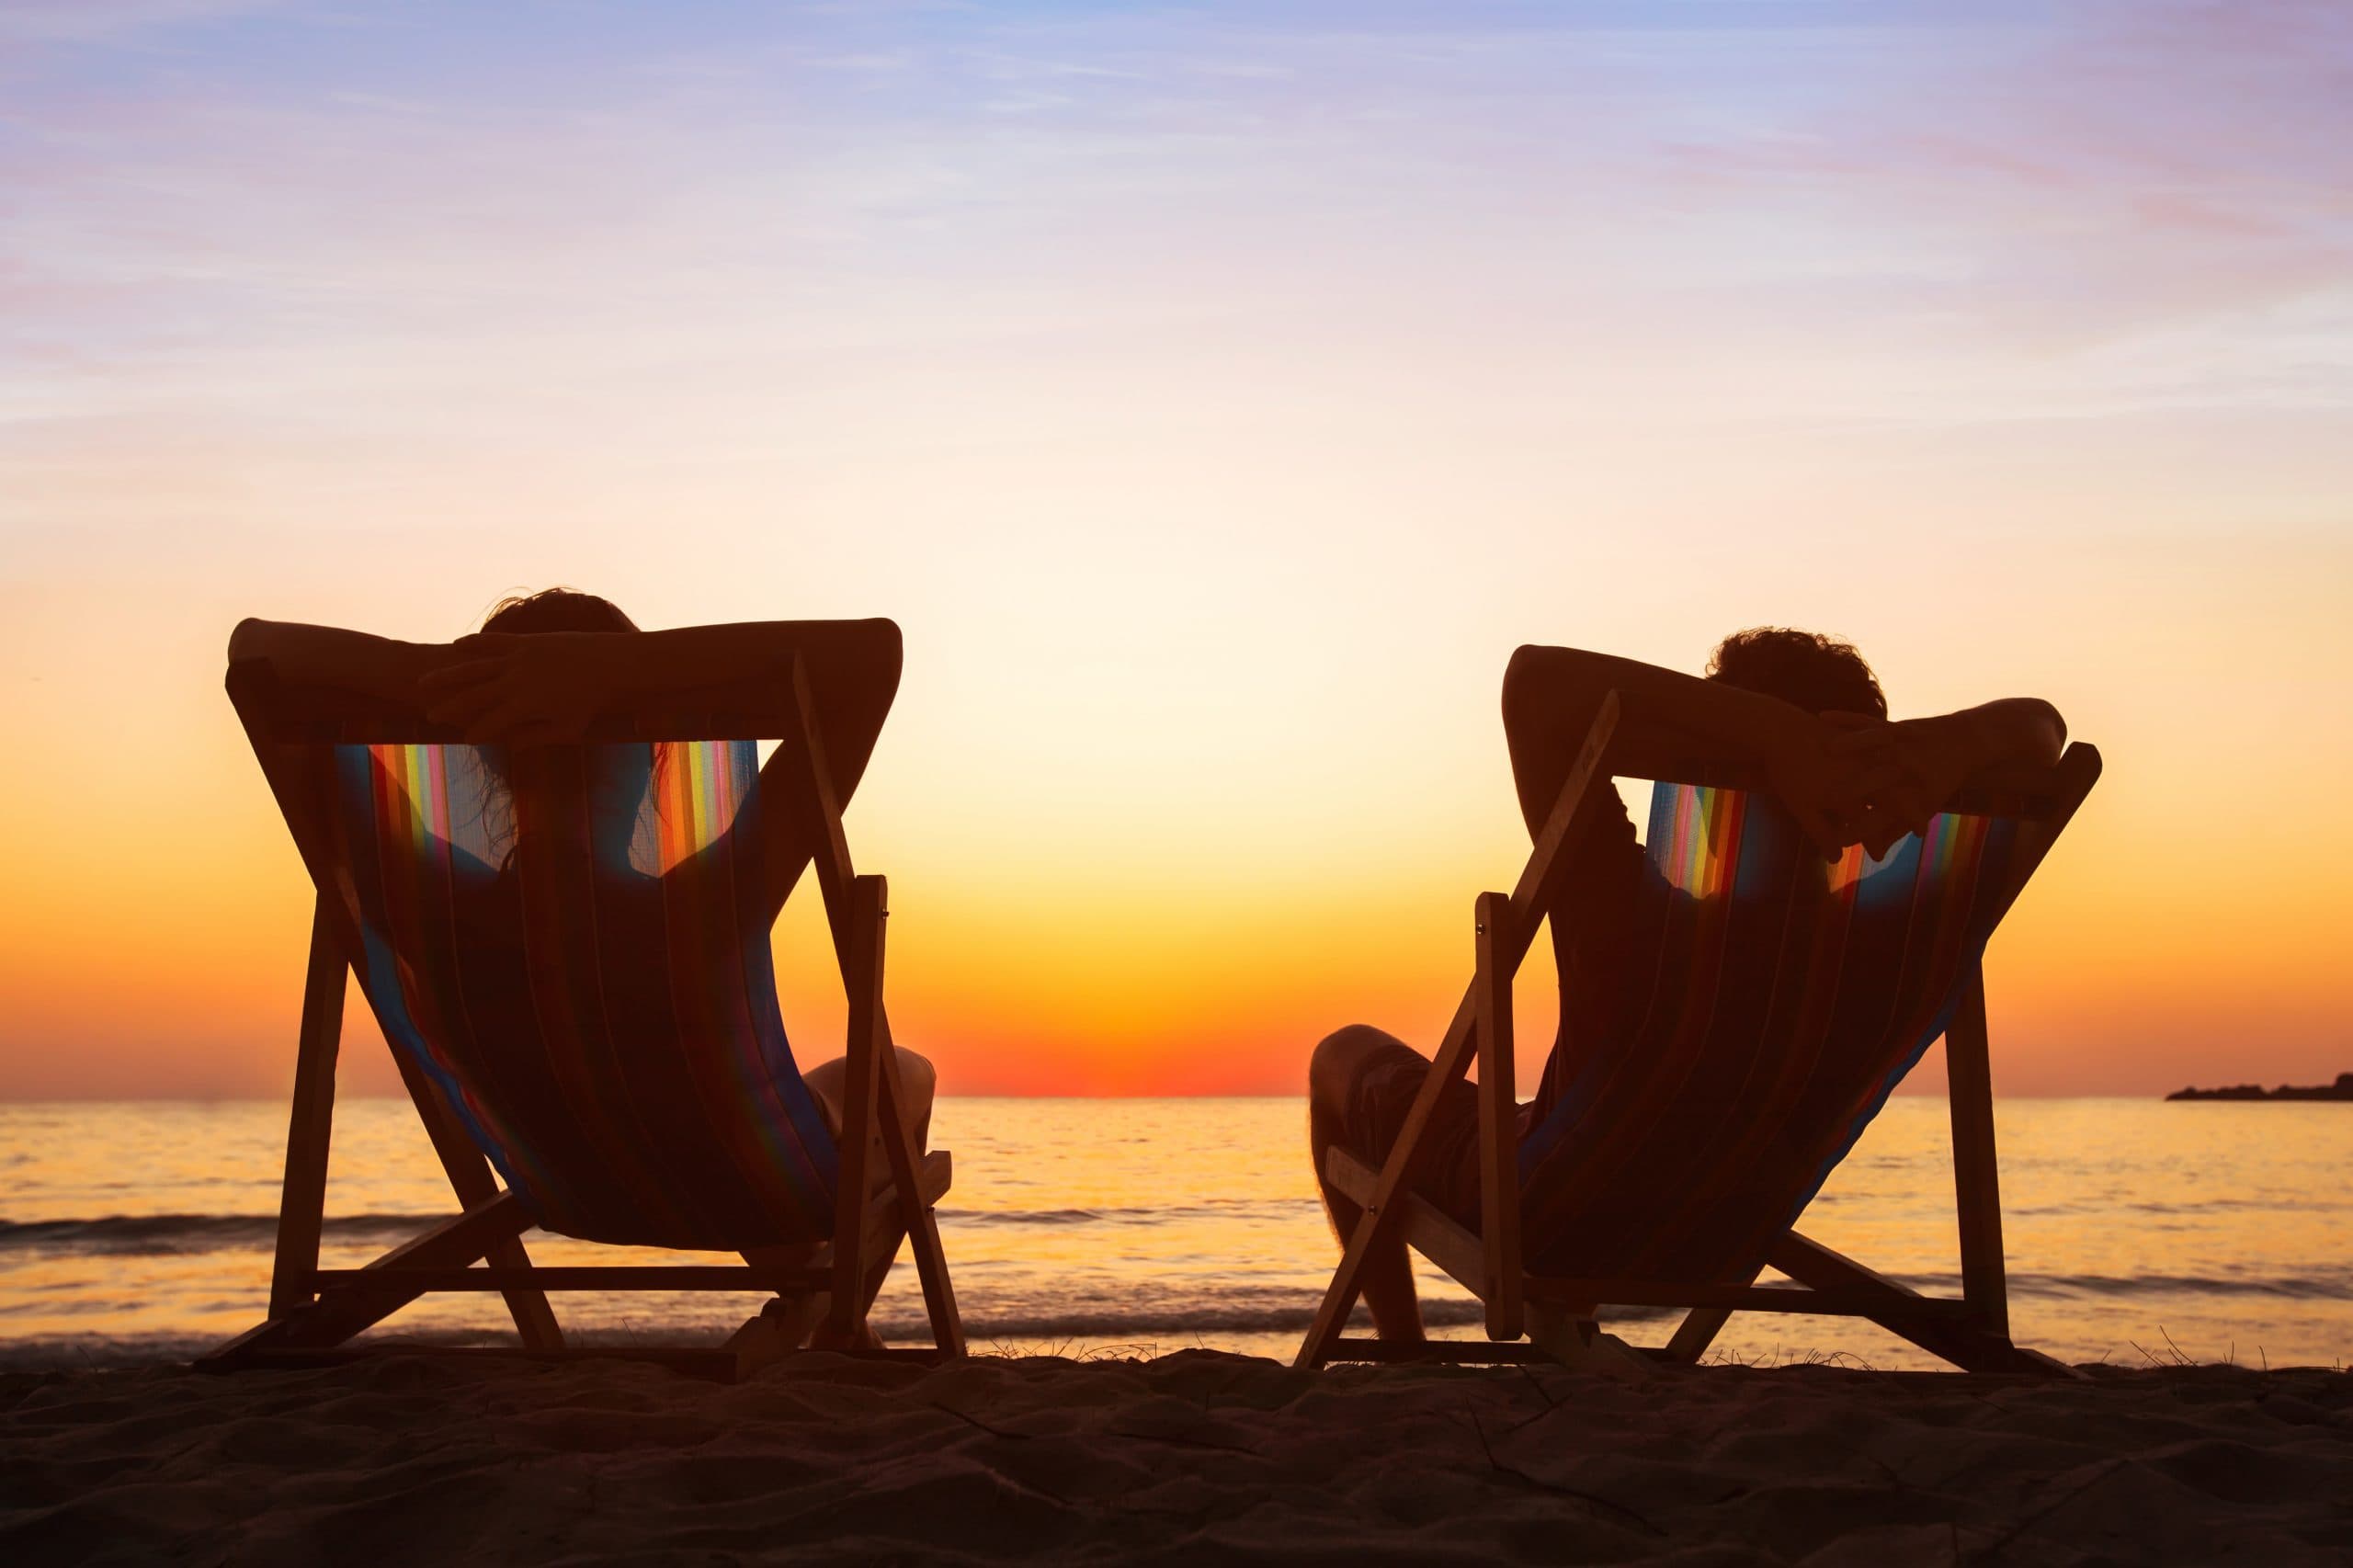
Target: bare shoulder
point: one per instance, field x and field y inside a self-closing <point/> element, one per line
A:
<point x="248" y="639"/>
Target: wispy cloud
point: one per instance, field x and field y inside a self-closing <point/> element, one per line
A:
<point x="2065" y="177"/>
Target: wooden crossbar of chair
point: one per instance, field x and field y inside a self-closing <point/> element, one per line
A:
<point x="1560" y="1315"/>
<point x="314" y="1311"/>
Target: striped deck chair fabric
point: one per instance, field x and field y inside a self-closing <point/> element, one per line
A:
<point x="571" y="944"/>
<point x="1781" y="998"/>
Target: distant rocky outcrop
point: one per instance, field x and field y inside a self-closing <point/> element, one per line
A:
<point x="2340" y="1090"/>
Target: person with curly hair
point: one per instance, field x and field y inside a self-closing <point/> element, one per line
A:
<point x="1805" y="710"/>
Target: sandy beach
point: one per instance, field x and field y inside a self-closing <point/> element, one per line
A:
<point x="1199" y="1457"/>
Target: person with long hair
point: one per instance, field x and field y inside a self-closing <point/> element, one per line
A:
<point x="528" y="690"/>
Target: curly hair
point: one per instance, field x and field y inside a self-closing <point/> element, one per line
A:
<point x="1821" y="675"/>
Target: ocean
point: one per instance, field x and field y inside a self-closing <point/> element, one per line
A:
<point x="2138" y="1232"/>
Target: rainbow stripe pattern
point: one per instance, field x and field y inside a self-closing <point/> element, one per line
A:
<point x="1772" y="1002"/>
<point x="571" y="944"/>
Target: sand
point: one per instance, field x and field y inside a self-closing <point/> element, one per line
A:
<point x="1194" y="1458"/>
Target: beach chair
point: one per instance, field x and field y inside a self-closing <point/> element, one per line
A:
<point x="585" y="1017"/>
<point x="1680" y="1155"/>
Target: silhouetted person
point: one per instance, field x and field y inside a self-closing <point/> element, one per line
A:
<point x="525" y="692"/>
<point x="1805" y="708"/>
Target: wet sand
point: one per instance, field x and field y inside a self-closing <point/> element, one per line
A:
<point x="1195" y="1458"/>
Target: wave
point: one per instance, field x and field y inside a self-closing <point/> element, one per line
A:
<point x="1111" y="1322"/>
<point x="1147" y="1214"/>
<point x="167" y="1234"/>
<point x="2314" y="1284"/>
<point x="1016" y="1323"/>
<point x="117" y="1234"/>
<point x="2319" y="1282"/>
<point x="1090" y="1329"/>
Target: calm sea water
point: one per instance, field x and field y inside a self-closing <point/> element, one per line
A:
<point x="2136" y="1230"/>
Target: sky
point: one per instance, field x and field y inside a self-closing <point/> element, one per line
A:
<point x="1216" y="395"/>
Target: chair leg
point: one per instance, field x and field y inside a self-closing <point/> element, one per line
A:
<point x="875" y="1109"/>
<point x="1976" y="1171"/>
<point x="1502" y="1268"/>
<point x="1696" y="1332"/>
<point x="302" y="1203"/>
<point x="1700" y="1326"/>
<point x="922" y="1224"/>
<point x="346" y="1310"/>
<point x="1971" y="1347"/>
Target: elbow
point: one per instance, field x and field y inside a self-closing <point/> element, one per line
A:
<point x="2024" y="731"/>
<point x="1523" y="678"/>
<point x="1543" y="684"/>
<point x="858" y="661"/>
<point x="886" y="649"/>
<point x="2054" y="731"/>
<point x="246" y="639"/>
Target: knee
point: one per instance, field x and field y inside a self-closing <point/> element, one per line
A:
<point x="918" y="1078"/>
<point x="824" y="1081"/>
<point x="1338" y="1056"/>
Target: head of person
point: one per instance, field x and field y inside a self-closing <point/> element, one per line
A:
<point x="619" y="776"/>
<point x="1821" y="675"/>
<point x="556" y="610"/>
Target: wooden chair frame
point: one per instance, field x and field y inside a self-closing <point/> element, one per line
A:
<point x="315" y="1312"/>
<point x="1557" y="1314"/>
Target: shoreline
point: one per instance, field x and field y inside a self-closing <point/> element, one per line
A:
<point x="1195" y="1457"/>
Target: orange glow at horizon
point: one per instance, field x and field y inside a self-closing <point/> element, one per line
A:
<point x="1215" y="401"/>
